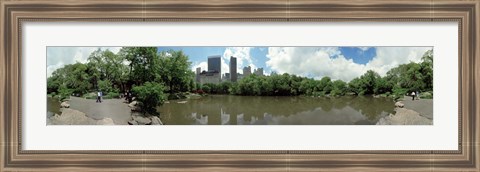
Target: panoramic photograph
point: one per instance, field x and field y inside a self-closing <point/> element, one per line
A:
<point x="205" y="85"/>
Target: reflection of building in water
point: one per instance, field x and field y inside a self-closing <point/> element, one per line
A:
<point x="225" y="118"/>
<point x="240" y="120"/>
<point x="203" y="120"/>
<point x="253" y="119"/>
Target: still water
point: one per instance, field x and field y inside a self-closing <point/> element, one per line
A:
<point x="256" y="110"/>
<point x="53" y="107"/>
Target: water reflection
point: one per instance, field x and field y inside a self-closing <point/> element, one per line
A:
<point x="242" y="110"/>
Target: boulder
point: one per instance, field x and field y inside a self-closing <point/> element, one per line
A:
<point x="132" y="104"/>
<point x="64" y="105"/>
<point x="132" y="122"/>
<point x="399" y="104"/>
<point x="105" y="121"/>
<point x="142" y="120"/>
<point x="405" y="116"/>
<point x="156" y="121"/>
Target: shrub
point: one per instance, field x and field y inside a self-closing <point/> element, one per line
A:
<point x="399" y="92"/>
<point x="149" y="96"/>
<point x="64" y="93"/>
<point x="114" y="94"/>
<point x="426" y="95"/>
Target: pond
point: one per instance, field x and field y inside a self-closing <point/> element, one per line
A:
<point x="260" y="110"/>
<point x="53" y="107"/>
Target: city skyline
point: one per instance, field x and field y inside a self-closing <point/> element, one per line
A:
<point x="343" y="63"/>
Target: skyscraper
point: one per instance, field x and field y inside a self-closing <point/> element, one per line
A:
<point x="233" y="69"/>
<point x="258" y="71"/>
<point x="197" y="76"/>
<point x="215" y="63"/>
<point x="247" y="71"/>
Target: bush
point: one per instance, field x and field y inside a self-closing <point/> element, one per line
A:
<point x="113" y="95"/>
<point x="426" y="95"/>
<point x="399" y="93"/>
<point x="64" y="93"/>
<point x="149" y="96"/>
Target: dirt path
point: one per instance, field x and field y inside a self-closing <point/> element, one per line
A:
<point x="109" y="108"/>
<point x="422" y="106"/>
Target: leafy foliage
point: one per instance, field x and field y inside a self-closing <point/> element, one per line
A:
<point x="149" y="96"/>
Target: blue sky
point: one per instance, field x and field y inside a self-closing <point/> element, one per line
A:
<point x="359" y="55"/>
<point x="343" y="63"/>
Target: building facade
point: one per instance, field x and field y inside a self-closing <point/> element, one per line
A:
<point x="258" y="71"/>
<point x="197" y="74"/>
<point x="233" y="69"/>
<point x="212" y="77"/>
<point x="247" y="71"/>
<point x="215" y="63"/>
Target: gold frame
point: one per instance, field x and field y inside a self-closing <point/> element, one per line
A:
<point x="14" y="12"/>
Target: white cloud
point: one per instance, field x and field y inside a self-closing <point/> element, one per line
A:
<point x="58" y="57"/>
<point x="203" y="65"/>
<point x="318" y="62"/>
<point x="243" y="58"/>
<point x="364" y="48"/>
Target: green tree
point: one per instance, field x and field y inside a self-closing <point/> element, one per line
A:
<point x="325" y="85"/>
<point x="174" y="71"/>
<point x="339" y="88"/>
<point x="149" y="96"/>
<point x="143" y="63"/>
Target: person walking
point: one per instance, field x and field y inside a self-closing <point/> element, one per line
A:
<point x="101" y="96"/>
<point x="98" y="96"/>
<point x="413" y="95"/>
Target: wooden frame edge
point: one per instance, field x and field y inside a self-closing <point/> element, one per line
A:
<point x="152" y="160"/>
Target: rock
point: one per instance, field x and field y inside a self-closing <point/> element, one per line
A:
<point x="182" y="102"/>
<point x="132" y="104"/>
<point x="65" y="105"/>
<point x="399" y="104"/>
<point x="71" y="117"/>
<point x="142" y="120"/>
<point x="132" y="122"/>
<point x="156" y="121"/>
<point x="105" y="121"/>
<point x="376" y="96"/>
<point x="405" y="116"/>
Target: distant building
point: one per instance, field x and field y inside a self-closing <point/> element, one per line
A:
<point x="215" y="63"/>
<point x="258" y="71"/>
<point x="226" y="77"/>
<point x="197" y="74"/>
<point x="247" y="71"/>
<point x="210" y="76"/>
<point x="239" y="76"/>
<point x="214" y="73"/>
<point x="233" y="69"/>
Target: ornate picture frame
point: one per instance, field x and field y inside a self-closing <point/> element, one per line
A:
<point x="15" y="12"/>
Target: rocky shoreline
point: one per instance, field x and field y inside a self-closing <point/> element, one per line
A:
<point x="75" y="117"/>
<point x="405" y="116"/>
<point x="70" y="116"/>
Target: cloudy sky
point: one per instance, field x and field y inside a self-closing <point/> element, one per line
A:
<point x="343" y="63"/>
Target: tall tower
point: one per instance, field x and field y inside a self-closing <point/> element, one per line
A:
<point x="247" y="71"/>
<point x="233" y="69"/>
<point x="197" y="76"/>
<point x="215" y="63"/>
